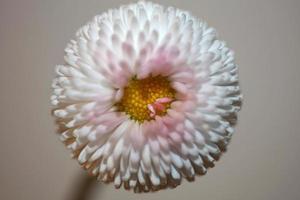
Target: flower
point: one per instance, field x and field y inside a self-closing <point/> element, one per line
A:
<point x="147" y="96"/>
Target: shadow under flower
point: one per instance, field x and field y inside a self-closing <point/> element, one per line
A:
<point x="84" y="188"/>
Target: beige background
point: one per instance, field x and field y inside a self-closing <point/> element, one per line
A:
<point x="263" y="160"/>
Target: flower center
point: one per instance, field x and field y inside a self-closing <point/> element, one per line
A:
<point x="145" y="98"/>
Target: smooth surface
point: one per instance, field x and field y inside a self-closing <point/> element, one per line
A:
<point x="263" y="159"/>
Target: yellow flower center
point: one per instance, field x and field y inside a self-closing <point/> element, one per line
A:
<point x="145" y="98"/>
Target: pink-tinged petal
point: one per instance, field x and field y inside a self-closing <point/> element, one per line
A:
<point x="134" y="160"/>
<point x="106" y="117"/>
<point x="136" y="136"/>
<point x="175" y="115"/>
<point x="100" y="109"/>
<point x="179" y="87"/>
<point x="150" y="107"/>
<point x="175" y="137"/>
<point x="183" y="77"/>
<point x="163" y="142"/>
<point x="160" y="127"/>
<point x="188" y="137"/>
<point x="164" y="100"/>
<point x="119" y="95"/>
<point x="180" y="127"/>
<point x="184" y="106"/>
<point x="143" y="72"/>
<point x="169" y="121"/>
<point x="128" y="51"/>
<point x="158" y="106"/>
<point x="154" y="145"/>
<point x="152" y="115"/>
<point x="106" y="127"/>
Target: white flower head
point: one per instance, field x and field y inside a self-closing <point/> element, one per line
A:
<point x="147" y="96"/>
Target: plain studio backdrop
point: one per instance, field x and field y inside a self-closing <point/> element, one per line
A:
<point x="262" y="161"/>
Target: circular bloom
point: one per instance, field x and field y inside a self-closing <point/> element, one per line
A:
<point x="147" y="96"/>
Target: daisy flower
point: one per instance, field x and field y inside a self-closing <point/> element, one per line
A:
<point x="147" y="96"/>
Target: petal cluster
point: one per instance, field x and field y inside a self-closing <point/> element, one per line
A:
<point x="138" y="41"/>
